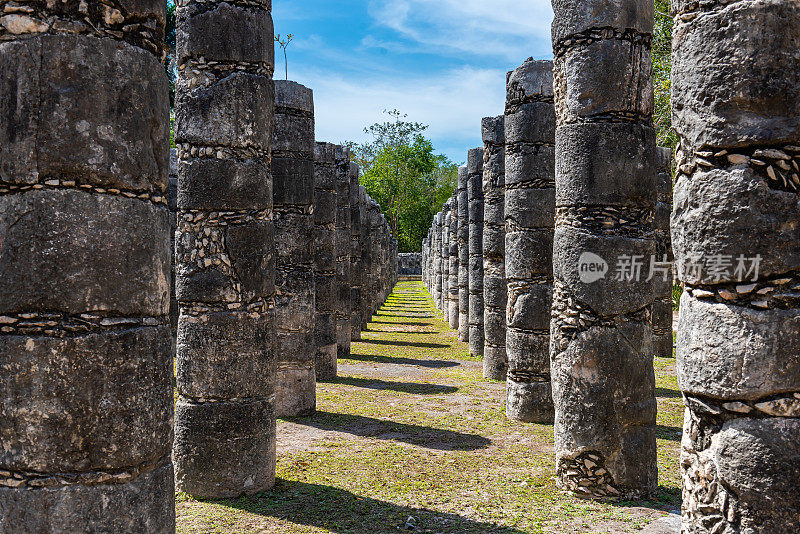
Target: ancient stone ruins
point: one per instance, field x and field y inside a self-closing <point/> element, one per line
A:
<point x="253" y="261"/>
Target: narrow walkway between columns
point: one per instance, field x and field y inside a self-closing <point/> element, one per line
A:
<point x="411" y="438"/>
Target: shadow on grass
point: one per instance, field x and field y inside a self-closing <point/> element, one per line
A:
<point x="403" y="387"/>
<point x="433" y="364"/>
<point x="426" y="316"/>
<point x="668" y="393"/>
<point x="340" y="511"/>
<point x="671" y="433"/>
<point x="405" y="343"/>
<point x="369" y="427"/>
<point x="401" y="324"/>
<point x="665" y="499"/>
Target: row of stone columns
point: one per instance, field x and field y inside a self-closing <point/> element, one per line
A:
<point x="582" y="172"/>
<point x="88" y="324"/>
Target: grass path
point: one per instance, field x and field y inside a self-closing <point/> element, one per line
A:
<point x="411" y="438"/>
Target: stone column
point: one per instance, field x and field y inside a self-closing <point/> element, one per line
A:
<point x="325" y="260"/>
<point x="356" y="267"/>
<point x="224" y="251"/>
<point x="736" y="110"/>
<point x="293" y="196"/>
<point x="452" y="293"/>
<point x="495" y="361"/>
<point x="86" y="367"/>
<point x="662" y="307"/>
<point x="343" y="253"/>
<point x="530" y="214"/>
<point x="375" y="222"/>
<point x="602" y="356"/>
<point x="366" y="256"/>
<point x="437" y="260"/>
<point x="463" y="254"/>
<point x="446" y="234"/>
<point x="172" y="203"/>
<point x="475" y="213"/>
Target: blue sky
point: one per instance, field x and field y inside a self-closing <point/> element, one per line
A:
<point x="443" y="62"/>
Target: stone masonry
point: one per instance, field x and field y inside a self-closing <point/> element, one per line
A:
<point x="324" y="260"/>
<point x="463" y="254"/>
<point x="475" y="214"/>
<point x="662" y="307"/>
<point x="452" y="286"/>
<point x="356" y="267"/>
<point x="343" y="224"/>
<point x="224" y="420"/>
<point x="601" y="347"/>
<point x="735" y="220"/>
<point x="86" y="366"/>
<point x="293" y="197"/>
<point x="529" y="213"/>
<point x="495" y="361"/>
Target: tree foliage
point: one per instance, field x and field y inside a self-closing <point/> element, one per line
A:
<point x="402" y="172"/>
<point x="662" y="65"/>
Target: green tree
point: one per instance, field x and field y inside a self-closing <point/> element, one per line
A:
<point x="662" y="65"/>
<point x="402" y="172"/>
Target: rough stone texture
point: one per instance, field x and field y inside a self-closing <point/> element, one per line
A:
<point x="410" y="264"/>
<point x="225" y="262"/>
<point x="172" y="203"/>
<point x="448" y="220"/>
<point x="737" y="116"/>
<point x="437" y="261"/>
<point x="475" y="245"/>
<point x="463" y="254"/>
<point x="602" y="338"/>
<point x="495" y="361"/>
<point x="293" y="197"/>
<point x="85" y="337"/>
<point x="356" y="267"/>
<point x="325" y="260"/>
<point x="343" y="287"/>
<point x="529" y="215"/>
<point x="452" y="290"/>
<point x="662" y="307"/>
<point x="366" y="256"/>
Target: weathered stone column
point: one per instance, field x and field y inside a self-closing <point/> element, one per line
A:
<point x="463" y="254"/>
<point x="662" y="307"/>
<point x="293" y="196"/>
<point x="437" y="260"/>
<point x="530" y="214"/>
<point x="495" y="361"/>
<point x="736" y="109"/>
<point x="366" y="256"/>
<point x="375" y="223"/>
<point x="172" y="203"/>
<point x="85" y="343"/>
<point x="224" y="251"/>
<point x="446" y="280"/>
<point x="475" y="213"/>
<point x="325" y="260"/>
<point x="453" y="291"/>
<point x="343" y="253"/>
<point x="356" y="267"/>
<point x="601" y="347"/>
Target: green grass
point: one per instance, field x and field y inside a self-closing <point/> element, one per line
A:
<point x="411" y="429"/>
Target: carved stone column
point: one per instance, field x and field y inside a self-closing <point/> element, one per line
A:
<point x="475" y="214"/>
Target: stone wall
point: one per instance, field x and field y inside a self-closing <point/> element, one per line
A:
<point x="475" y="247"/>
<point x="410" y="264"/>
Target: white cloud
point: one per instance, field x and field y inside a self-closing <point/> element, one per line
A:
<point x="511" y="29"/>
<point x="451" y="102"/>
